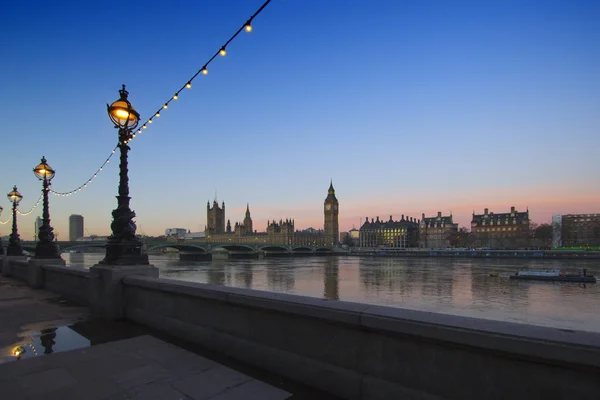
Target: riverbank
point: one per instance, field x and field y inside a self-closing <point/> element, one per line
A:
<point x="464" y="253"/>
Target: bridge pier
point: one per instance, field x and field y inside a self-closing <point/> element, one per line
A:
<point x="186" y="256"/>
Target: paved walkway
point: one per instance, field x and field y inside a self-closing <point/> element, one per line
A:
<point x="142" y="367"/>
<point x="139" y="368"/>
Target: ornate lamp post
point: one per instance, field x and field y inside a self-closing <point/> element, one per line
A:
<point x="1" y="246"/>
<point x="45" y="248"/>
<point x="14" y="243"/>
<point x="123" y="248"/>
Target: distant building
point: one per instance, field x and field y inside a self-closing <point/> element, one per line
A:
<point x="354" y="236"/>
<point x="501" y="231"/>
<point x="436" y="232"/>
<point x="75" y="227"/>
<point x="175" y="233"/>
<point x="215" y="218"/>
<point x="282" y="232"/>
<point x="36" y="227"/>
<point x="574" y="230"/>
<point x="194" y="236"/>
<point x="344" y="237"/>
<point x="396" y="234"/>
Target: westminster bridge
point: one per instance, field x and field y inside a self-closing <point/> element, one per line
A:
<point x="190" y="250"/>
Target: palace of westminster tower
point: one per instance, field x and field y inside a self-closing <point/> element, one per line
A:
<point x="282" y="232"/>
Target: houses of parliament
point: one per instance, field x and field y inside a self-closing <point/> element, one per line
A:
<point x="281" y="232"/>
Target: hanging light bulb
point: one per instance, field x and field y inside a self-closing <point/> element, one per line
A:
<point x="175" y="97"/>
<point x="248" y="26"/>
<point x="188" y="85"/>
<point x="150" y="121"/>
<point x="223" y="52"/>
<point x="158" y="115"/>
<point x="204" y="71"/>
<point x="166" y="106"/>
<point x="145" y="127"/>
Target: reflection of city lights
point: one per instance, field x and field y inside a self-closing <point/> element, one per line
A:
<point x="18" y="351"/>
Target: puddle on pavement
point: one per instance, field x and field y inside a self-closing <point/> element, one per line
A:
<point x="42" y="342"/>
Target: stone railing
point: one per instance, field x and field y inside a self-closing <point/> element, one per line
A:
<point x="70" y="282"/>
<point x="361" y="351"/>
<point x="19" y="268"/>
<point x="355" y="351"/>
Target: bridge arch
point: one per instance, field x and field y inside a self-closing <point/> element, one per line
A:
<point x="179" y="247"/>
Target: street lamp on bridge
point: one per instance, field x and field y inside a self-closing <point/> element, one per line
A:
<point x="45" y="248"/>
<point x="14" y="247"/>
<point x="123" y="247"/>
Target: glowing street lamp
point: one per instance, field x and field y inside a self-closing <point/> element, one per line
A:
<point x="46" y="247"/>
<point x="14" y="247"/>
<point x="1" y="246"/>
<point x="123" y="247"/>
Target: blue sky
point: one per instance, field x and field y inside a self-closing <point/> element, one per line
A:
<point x="409" y="106"/>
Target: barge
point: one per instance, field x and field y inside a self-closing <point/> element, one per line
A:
<point x="554" y="275"/>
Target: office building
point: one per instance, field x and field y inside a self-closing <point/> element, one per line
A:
<point x="75" y="227"/>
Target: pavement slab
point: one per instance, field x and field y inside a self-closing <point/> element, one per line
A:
<point x="139" y="368"/>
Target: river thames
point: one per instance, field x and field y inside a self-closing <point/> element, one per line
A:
<point x="451" y="286"/>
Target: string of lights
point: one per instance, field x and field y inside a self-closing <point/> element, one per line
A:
<point x="83" y="186"/>
<point x="32" y="208"/>
<point x="5" y="222"/>
<point x="204" y="71"/>
<point x="247" y="26"/>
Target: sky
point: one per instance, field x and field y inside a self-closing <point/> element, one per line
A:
<point x="410" y="107"/>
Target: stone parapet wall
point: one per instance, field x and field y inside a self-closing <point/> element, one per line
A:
<point x="19" y="269"/>
<point x="71" y="283"/>
<point x="361" y="351"/>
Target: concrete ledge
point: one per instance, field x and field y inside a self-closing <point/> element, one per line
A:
<point x="331" y="311"/>
<point x="550" y="344"/>
<point x="364" y="351"/>
<point x="343" y="382"/>
<point x="19" y="267"/>
<point x="71" y="283"/>
<point x="67" y="270"/>
<point x="527" y="340"/>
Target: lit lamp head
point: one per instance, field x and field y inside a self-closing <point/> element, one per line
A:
<point x="18" y="351"/>
<point x="44" y="171"/>
<point x="122" y="113"/>
<point x="14" y="196"/>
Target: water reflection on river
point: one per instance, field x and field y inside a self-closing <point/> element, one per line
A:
<point x="451" y="286"/>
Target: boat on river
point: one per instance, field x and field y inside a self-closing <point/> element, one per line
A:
<point x="554" y="275"/>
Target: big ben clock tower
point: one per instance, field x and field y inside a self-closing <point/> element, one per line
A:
<point x="332" y="230"/>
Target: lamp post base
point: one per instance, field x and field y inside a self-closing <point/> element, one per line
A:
<point x="47" y="250"/>
<point x="124" y="253"/>
<point x="14" y="249"/>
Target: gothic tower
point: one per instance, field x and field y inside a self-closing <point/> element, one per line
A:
<point x="332" y="230"/>
<point x="248" y="220"/>
<point x="215" y="218"/>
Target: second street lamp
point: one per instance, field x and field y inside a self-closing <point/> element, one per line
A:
<point x="1" y="246"/>
<point x="45" y="248"/>
<point x="123" y="247"/>
<point x="14" y="247"/>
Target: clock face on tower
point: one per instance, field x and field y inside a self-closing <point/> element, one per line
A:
<point x="335" y="207"/>
<point x="328" y="207"/>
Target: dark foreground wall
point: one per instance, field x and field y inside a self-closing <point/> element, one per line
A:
<point x="360" y="351"/>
